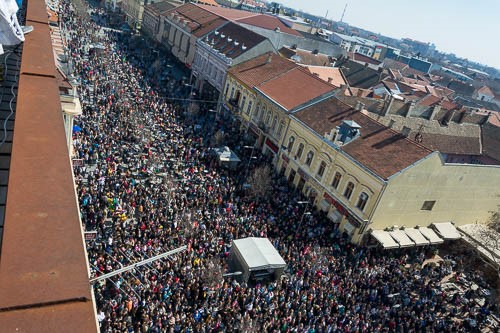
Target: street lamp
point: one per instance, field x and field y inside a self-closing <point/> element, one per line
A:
<point x="305" y="210"/>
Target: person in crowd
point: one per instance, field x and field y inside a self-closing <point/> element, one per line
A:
<point x="150" y="184"/>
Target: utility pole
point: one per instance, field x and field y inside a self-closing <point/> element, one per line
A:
<point x="343" y="13"/>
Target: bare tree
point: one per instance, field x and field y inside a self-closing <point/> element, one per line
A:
<point x="218" y="138"/>
<point x="260" y="182"/>
<point x="212" y="272"/>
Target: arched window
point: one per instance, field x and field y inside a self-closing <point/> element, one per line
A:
<point x="363" y="198"/>
<point x="257" y="111"/>
<point x="348" y="190"/>
<point x="275" y="121"/>
<point x="336" y="180"/>
<point x="280" y="129"/>
<point x="300" y="151"/>
<point x="249" y="109"/>
<point x="291" y="140"/>
<point x="321" y="169"/>
<point x="309" y="158"/>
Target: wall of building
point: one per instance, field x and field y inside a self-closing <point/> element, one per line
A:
<point x="336" y="162"/>
<point x="279" y="39"/>
<point x="463" y="194"/>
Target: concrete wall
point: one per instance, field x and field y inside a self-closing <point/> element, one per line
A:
<point x="463" y="193"/>
<point x="279" y="39"/>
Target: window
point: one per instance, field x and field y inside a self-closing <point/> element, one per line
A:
<point x="227" y="89"/>
<point x="363" y="198"/>
<point x="249" y="109"/>
<point x="348" y="190"/>
<point x="243" y="101"/>
<point x="300" y="151"/>
<point x="232" y="93"/>
<point x="280" y="129"/>
<point x="321" y="170"/>
<point x="268" y="117"/>
<point x="275" y="121"/>
<point x="309" y="158"/>
<point x="257" y="112"/>
<point x="336" y="180"/>
<point x="291" y="140"/>
<point x="428" y="205"/>
<point x="262" y="113"/>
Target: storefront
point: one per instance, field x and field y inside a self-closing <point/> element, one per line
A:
<point x="337" y="214"/>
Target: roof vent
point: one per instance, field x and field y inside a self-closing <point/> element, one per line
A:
<point x="359" y="106"/>
<point x="348" y="131"/>
<point x="294" y="46"/>
<point x="405" y="131"/>
<point x="236" y="43"/>
<point x="229" y="39"/>
<point x="222" y="35"/>
<point x="243" y="47"/>
<point x="316" y="51"/>
<point x="277" y="29"/>
<point x="216" y="33"/>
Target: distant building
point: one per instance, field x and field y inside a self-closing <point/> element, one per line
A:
<point x="363" y="46"/>
<point x="484" y="94"/>
<point x="152" y="18"/>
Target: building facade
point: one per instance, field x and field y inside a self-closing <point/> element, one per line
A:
<point x="258" y="92"/>
<point x="221" y="49"/>
<point x="372" y="180"/>
<point x="182" y="27"/>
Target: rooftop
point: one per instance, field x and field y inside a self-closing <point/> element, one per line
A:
<point x="261" y="69"/>
<point x="43" y="268"/>
<point x="380" y="149"/>
<point x="269" y="22"/>
<point x="306" y="57"/>
<point x="161" y="7"/>
<point x="227" y="13"/>
<point x="295" y="88"/>
<point x="232" y="40"/>
<point x="331" y="75"/>
<point x="199" y="20"/>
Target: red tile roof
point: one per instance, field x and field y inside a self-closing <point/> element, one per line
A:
<point x="485" y="90"/>
<point x="294" y="88"/>
<point x="43" y="268"/>
<point x="200" y="20"/>
<point x="269" y="22"/>
<point x="261" y="69"/>
<point x="380" y="149"/>
<point x="208" y="2"/>
<point x="331" y="75"/>
<point x="227" y="13"/>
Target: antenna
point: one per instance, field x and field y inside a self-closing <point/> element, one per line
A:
<point x="343" y="13"/>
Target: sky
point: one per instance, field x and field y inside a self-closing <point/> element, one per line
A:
<point x="468" y="28"/>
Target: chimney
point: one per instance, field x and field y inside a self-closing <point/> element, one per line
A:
<point x="435" y="110"/>
<point x="359" y="106"/>
<point x="405" y="131"/>
<point x="387" y="105"/>
<point x="269" y="58"/>
<point x="330" y="80"/>
<point x="411" y="105"/>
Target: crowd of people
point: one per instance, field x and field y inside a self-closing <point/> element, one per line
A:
<point x="150" y="184"/>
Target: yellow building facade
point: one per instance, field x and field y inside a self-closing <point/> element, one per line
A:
<point x="361" y="198"/>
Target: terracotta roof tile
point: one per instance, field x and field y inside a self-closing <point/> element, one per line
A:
<point x="258" y="70"/>
<point x="448" y="144"/>
<point x="227" y="13"/>
<point x="485" y="90"/>
<point x="294" y="88"/>
<point x="380" y="149"/>
<point x="331" y="75"/>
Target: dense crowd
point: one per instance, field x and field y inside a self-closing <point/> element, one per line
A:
<point x="150" y="184"/>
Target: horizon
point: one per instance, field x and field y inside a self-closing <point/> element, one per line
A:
<point x="475" y="44"/>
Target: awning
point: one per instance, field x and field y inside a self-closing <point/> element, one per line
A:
<point x="447" y="230"/>
<point x="335" y="216"/>
<point x="416" y="236"/>
<point x="258" y="253"/>
<point x="324" y="205"/>
<point x="385" y="239"/>
<point x="430" y="235"/>
<point x="401" y="237"/>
